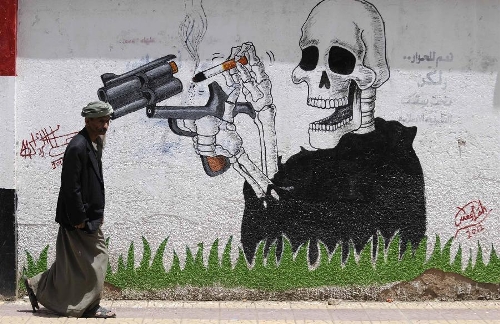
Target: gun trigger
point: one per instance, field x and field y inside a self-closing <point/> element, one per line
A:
<point x="172" y="123"/>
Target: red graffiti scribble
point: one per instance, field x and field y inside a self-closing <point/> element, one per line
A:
<point x="46" y="143"/>
<point x="470" y="217"/>
<point x="57" y="162"/>
<point x="28" y="148"/>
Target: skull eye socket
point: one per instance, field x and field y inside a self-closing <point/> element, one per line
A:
<point x="341" y="61"/>
<point x="309" y="60"/>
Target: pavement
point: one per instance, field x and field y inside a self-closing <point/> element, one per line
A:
<point x="266" y="312"/>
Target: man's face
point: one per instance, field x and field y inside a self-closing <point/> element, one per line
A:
<point x="97" y="126"/>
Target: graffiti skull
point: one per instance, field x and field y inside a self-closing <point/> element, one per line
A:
<point x="343" y="61"/>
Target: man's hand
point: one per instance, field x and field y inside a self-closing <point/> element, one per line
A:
<point x="79" y="226"/>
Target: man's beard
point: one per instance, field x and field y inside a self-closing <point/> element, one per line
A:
<point x="103" y="140"/>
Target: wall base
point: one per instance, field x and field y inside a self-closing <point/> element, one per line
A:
<point x="8" y="240"/>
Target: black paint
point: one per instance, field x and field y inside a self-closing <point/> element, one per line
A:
<point x="8" y="255"/>
<point x="324" y="82"/>
<point x="368" y="183"/>
<point x="310" y="57"/>
<point x="341" y="61"/>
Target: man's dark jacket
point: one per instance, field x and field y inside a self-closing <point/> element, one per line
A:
<point x="81" y="196"/>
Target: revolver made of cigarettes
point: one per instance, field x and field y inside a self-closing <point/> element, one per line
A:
<point x="153" y="82"/>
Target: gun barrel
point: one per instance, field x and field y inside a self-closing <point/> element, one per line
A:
<point x="146" y="85"/>
<point x="110" y="78"/>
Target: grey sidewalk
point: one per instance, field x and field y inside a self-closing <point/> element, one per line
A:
<point x="270" y="312"/>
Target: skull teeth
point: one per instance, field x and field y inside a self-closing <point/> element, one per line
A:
<point x="319" y="126"/>
<point x="326" y="103"/>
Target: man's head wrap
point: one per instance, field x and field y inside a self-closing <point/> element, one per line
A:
<point x="97" y="109"/>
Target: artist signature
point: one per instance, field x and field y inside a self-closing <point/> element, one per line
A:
<point x="470" y="217"/>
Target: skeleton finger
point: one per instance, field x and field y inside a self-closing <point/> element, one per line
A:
<point x="189" y="125"/>
<point x="235" y="55"/>
<point x="249" y="174"/>
<point x="229" y="140"/>
<point x="254" y="90"/>
<point x="247" y="50"/>
<point x="204" y="145"/>
<point x="229" y="109"/>
<point x="265" y="87"/>
<point x="256" y="64"/>
<point x="208" y="125"/>
<point x="265" y="122"/>
<point x="249" y="82"/>
<point x="251" y="171"/>
<point x="185" y="125"/>
<point x="235" y="51"/>
<point x="245" y="92"/>
<point x="250" y="53"/>
<point x="251" y="95"/>
<point x="205" y="140"/>
<point x="244" y="73"/>
<point x="255" y="186"/>
<point x="260" y="72"/>
<point x="219" y="150"/>
<point x="233" y="79"/>
<point x="233" y="95"/>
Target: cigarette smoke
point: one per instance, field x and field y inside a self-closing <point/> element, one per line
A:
<point x="193" y="28"/>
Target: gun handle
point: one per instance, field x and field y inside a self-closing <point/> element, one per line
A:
<point x="215" y="165"/>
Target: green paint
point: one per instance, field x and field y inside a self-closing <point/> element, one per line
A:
<point x="291" y="272"/>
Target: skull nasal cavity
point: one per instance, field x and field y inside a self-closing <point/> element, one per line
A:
<point x="341" y="61"/>
<point x="309" y="60"/>
<point x="324" y="82"/>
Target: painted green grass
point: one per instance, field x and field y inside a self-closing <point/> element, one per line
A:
<point x="291" y="272"/>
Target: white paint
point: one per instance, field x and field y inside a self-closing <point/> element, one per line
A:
<point x="7" y="132"/>
<point x="155" y="184"/>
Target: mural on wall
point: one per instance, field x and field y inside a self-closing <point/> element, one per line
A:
<point x="361" y="176"/>
<point x="303" y="172"/>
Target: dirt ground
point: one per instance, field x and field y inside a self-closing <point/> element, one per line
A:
<point x="433" y="284"/>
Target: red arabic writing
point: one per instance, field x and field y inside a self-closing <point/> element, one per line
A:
<point x="470" y="217"/>
<point x="46" y="143"/>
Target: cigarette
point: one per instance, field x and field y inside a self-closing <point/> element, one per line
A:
<point x="228" y="65"/>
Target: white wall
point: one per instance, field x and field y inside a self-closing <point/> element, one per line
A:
<point x="7" y="132"/>
<point x="155" y="184"/>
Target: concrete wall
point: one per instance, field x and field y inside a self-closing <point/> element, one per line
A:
<point x="443" y="60"/>
<point x="8" y="266"/>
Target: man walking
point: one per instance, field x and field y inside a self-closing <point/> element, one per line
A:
<point x="73" y="284"/>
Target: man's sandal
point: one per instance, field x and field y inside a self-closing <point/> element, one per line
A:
<point x="99" y="312"/>
<point x="31" y="295"/>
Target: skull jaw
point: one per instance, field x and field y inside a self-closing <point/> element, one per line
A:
<point x="324" y="139"/>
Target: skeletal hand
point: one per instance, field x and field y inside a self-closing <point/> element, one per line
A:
<point x="256" y="87"/>
<point x="217" y="137"/>
<point x="253" y="78"/>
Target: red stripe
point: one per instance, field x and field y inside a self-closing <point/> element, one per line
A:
<point x="8" y="22"/>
